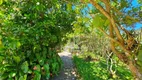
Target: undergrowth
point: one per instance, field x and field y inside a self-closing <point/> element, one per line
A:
<point x="96" y="69"/>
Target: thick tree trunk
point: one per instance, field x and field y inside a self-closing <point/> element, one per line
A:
<point x="130" y="64"/>
<point x="135" y="71"/>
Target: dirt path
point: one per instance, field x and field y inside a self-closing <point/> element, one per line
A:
<point x="67" y="72"/>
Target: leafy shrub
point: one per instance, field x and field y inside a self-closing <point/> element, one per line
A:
<point x="30" y="32"/>
<point x="30" y="65"/>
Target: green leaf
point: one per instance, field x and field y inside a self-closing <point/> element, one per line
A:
<point x="98" y="21"/>
<point x="16" y="59"/>
<point x="107" y="22"/>
<point x="41" y="61"/>
<point x="4" y="76"/>
<point x="37" y="75"/>
<point x="30" y="71"/>
<point x="86" y="19"/>
<point x="77" y="10"/>
<point x="12" y="74"/>
<point x="37" y="56"/>
<point x="18" y="44"/>
<point x="113" y="4"/>
<point x="69" y="7"/>
<point x="2" y="55"/>
<point x="1" y="1"/>
<point x="46" y="68"/>
<point x="23" y="77"/>
<point x="58" y="6"/>
<point x="14" y="44"/>
<point x="25" y="67"/>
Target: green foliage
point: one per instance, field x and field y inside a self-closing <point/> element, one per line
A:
<point x="98" y="21"/>
<point x="97" y="70"/>
<point x="25" y="67"/>
<point x="30" y="32"/>
<point x="123" y="12"/>
<point x="139" y="61"/>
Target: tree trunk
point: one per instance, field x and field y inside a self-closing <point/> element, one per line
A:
<point x="116" y="38"/>
<point x="135" y="71"/>
<point x="130" y="64"/>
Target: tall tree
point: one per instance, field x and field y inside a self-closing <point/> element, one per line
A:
<point x="116" y="16"/>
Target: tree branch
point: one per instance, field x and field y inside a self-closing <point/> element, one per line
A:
<point x="111" y="34"/>
<point x="100" y="9"/>
<point x="128" y="17"/>
<point x="110" y="18"/>
<point x="122" y="46"/>
<point x="108" y="36"/>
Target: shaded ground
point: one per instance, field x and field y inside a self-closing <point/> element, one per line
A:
<point x="68" y="71"/>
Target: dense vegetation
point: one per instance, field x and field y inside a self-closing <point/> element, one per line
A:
<point x="33" y="31"/>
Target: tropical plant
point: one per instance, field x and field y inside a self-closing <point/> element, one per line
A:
<point x="30" y="32"/>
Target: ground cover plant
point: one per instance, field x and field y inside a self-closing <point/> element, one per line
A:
<point x="96" y="69"/>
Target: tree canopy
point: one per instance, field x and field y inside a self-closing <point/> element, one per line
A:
<point x="31" y="31"/>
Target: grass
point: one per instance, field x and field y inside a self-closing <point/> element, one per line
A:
<point x="97" y="70"/>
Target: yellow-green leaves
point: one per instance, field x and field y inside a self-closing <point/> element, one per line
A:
<point x="1" y="1"/>
<point x="107" y="22"/>
<point x="98" y="21"/>
<point x="15" y="44"/>
<point x="113" y="4"/>
<point x="77" y="10"/>
<point x="23" y="77"/>
<point x="1" y="15"/>
<point x="58" y="6"/>
<point x="16" y="59"/>
<point x="81" y="24"/>
<point x="69" y="6"/>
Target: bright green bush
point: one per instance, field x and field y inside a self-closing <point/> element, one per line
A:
<point x="30" y="32"/>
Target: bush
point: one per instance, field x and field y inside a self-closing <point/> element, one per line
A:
<point x="30" y="32"/>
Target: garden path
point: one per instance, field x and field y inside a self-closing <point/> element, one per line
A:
<point x="68" y="70"/>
